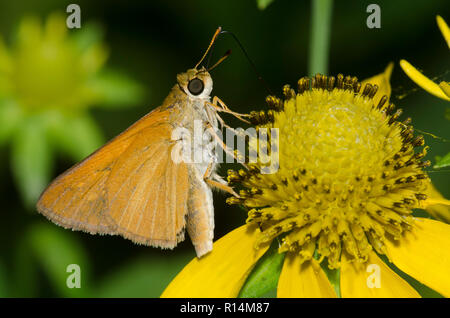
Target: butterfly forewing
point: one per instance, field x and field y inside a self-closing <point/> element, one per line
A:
<point x="127" y="187"/>
<point x="150" y="194"/>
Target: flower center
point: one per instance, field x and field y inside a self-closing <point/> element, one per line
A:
<point x="348" y="175"/>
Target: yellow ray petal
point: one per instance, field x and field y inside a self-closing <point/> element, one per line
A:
<point x="445" y="88"/>
<point x="423" y="81"/>
<point x="424" y="254"/>
<point x="222" y="272"/>
<point x="303" y="280"/>
<point x="55" y="27"/>
<point x="383" y="82"/>
<point x="30" y="32"/>
<point x="94" y="58"/>
<point x="373" y="279"/>
<point x="444" y="29"/>
<point x="436" y="204"/>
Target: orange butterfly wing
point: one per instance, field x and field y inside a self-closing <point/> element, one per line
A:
<point x="129" y="187"/>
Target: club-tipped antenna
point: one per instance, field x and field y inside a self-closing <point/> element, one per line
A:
<point x="216" y="34"/>
<point x="260" y="78"/>
<point x="227" y="54"/>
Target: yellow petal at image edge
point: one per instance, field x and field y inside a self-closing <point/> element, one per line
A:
<point x="383" y="82"/>
<point x="445" y="88"/>
<point x="373" y="279"/>
<point x="223" y="271"/>
<point x="423" y="81"/>
<point x="436" y="204"/>
<point x="306" y="280"/>
<point x="30" y="32"/>
<point x="424" y="254"/>
<point x="444" y="29"/>
<point x="55" y="27"/>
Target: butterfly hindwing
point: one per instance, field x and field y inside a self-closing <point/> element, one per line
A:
<point x="150" y="191"/>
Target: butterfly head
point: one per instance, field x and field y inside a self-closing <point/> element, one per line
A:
<point x="196" y="83"/>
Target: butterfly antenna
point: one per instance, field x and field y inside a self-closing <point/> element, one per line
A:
<point x="260" y="78"/>
<point x="216" y="34"/>
<point x="209" y="57"/>
<point x="227" y="54"/>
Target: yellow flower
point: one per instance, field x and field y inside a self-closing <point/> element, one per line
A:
<point x="46" y="69"/>
<point x="443" y="89"/>
<point x="348" y="180"/>
<point x="49" y="77"/>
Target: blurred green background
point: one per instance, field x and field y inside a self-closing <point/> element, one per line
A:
<point x="149" y="42"/>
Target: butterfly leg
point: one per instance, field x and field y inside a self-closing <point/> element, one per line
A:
<point x="221" y="121"/>
<point x="235" y="154"/>
<point x="225" y="108"/>
<point x="240" y="133"/>
<point x="220" y="106"/>
<point x="215" y="181"/>
<point x="224" y="125"/>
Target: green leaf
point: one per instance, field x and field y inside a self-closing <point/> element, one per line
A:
<point x="31" y="159"/>
<point x="333" y="275"/>
<point x="265" y="275"/>
<point x="76" y="135"/>
<point x="10" y="116"/>
<point x="24" y="273"/>
<point x="262" y="4"/>
<point x="55" y="249"/>
<point x="146" y="277"/>
<point x="112" y="89"/>
<point x="443" y="162"/>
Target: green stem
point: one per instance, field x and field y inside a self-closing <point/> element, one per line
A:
<point x="320" y="36"/>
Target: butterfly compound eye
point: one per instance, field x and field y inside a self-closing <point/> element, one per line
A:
<point x="196" y="86"/>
